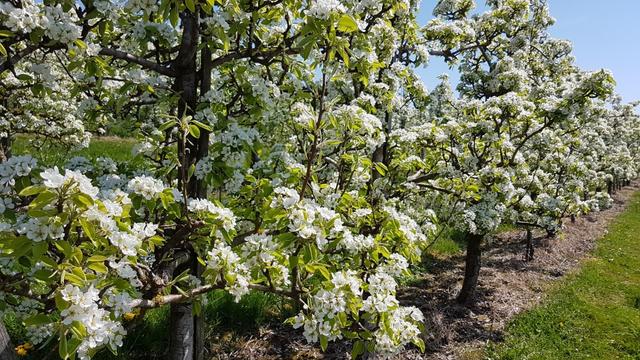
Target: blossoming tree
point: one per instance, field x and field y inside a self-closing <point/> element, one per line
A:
<point x="289" y="148"/>
<point x="516" y="83"/>
<point x="264" y="141"/>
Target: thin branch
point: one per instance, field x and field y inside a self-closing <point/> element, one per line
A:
<point x="148" y="64"/>
<point x="189" y="295"/>
<point x="17" y="57"/>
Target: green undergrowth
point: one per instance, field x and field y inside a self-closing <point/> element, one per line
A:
<point x="593" y="313"/>
<point x="116" y="148"/>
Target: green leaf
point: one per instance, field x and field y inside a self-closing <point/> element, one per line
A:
<point x="3" y="51"/>
<point x="19" y="246"/>
<point x="192" y="169"/>
<point x="201" y="261"/>
<point x="202" y="125"/>
<point x="97" y="258"/>
<point x="6" y="33"/>
<point x="43" y="275"/>
<point x="293" y="261"/>
<point x="182" y="277"/>
<point x="43" y="199"/>
<point x="36" y="35"/>
<point x="62" y="345"/>
<point x="324" y="272"/>
<point x="167" y="125"/>
<point x="82" y="199"/>
<point x="324" y="342"/>
<point x="81" y="44"/>
<point x="72" y="346"/>
<point x="347" y="24"/>
<point x="358" y="349"/>
<point x="32" y="190"/>
<point x="166" y="197"/>
<point x="194" y="131"/>
<point x="88" y="230"/>
<point x="61" y="304"/>
<point x="174" y="16"/>
<point x="190" y="5"/>
<point x="344" y="55"/>
<point x="37" y="319"/>
<point x="74" y="279"/>
<point x="381" y="168"/>
<point x="98" y="267"/>
<point x="39" y="249"/>
<point x="25" y="77"/>
<point x="37" y="89"/>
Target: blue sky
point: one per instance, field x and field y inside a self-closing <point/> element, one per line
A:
<point x="604" y="33"/>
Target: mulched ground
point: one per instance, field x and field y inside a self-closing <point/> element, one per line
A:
<point x="508" y="285"/>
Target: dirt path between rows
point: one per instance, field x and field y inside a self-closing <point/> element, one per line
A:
<point x="508" y="285"/>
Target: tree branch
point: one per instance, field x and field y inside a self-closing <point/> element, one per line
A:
<point x="189" y="295"/>
<point x="17" y="57"/>
<point x="148" y="64"/>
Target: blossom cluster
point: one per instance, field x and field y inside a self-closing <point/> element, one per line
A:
<point x="83" y="308"/>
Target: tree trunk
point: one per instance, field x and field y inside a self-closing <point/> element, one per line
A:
<point x="181" y="342"/>
<point x="471" y="269"/>
<point x="184" y="344"/>
<point x="5" y="148"/>
<point x="550" y="233"/>
<point x="6" y="346"/>
<point x="381" y="153"/>
<point x="528" y="253"/>
<point x="200" y="188"/>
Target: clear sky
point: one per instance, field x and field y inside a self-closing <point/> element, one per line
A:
<point x="604" y="33"/>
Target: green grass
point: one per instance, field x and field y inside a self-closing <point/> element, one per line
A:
<point x="446" y="246"/>
<point x="592" y="314"/>
<point x="506" y="227"/>
<point x="449" y="242"/>
<point x="119" y="149"/>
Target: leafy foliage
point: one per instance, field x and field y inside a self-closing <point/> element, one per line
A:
<point x="288" y="148"/>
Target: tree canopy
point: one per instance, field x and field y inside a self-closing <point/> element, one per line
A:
<point x="289" y="147"/>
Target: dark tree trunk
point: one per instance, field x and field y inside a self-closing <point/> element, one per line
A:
<point x="550" y="233"/>
<point x="5" y="148"/>
<point x="181" y="342"/>
<point x="471" y="269"/>
<point x="381" y="153"/>
<point x="198" y="328"/>
<point x="184" y="343"/>
<point x="609" y="187"/>
<point x="200" y="189"/>
<point x="6" y="346"/>
<point x="528" y="253"/>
